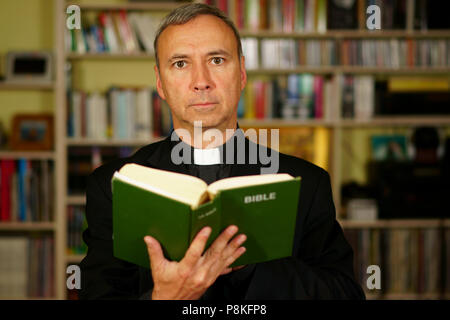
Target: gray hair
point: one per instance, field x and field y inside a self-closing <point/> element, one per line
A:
<point x="184" y="14"/>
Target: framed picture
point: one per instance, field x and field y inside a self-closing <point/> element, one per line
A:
<point x="32" y="132"/>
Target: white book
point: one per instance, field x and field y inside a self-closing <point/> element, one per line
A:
<point x="14" y="267"/>
<point x="144" y="114"/>
<point x="76" y="113"/>
<point x="250" y="51"/>
<point x="270" y="53"/>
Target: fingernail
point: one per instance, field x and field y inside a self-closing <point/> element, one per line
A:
<point x="206" y="231"/>
<point x="242" y="239"/>
<point x="148" y="240"/>
<point x="232" y="229"/>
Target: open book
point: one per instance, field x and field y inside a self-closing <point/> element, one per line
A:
<point x="173" y="207"/>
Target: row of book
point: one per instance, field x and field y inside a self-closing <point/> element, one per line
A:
<point x="121" y="113"/>
<point x="322" y="15"/>
<point x="306" y="96"/>
<point x="76" y="223"/>
<point x="410" y="261"/>
<point x="115" y="32"/>
<point x="83" y="160"/>
<point x="392" y="53"/>
<point x="26" y="267"/>
<point x="26" y="190"/>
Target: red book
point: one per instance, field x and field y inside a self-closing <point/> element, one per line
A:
<point x="156" y="115"/>
<point x="259" y="99"/>
<point x="318" y="97"/>
<point x="7" y="168"/>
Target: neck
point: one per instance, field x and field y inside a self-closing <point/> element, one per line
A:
<point x="205" y="137"/>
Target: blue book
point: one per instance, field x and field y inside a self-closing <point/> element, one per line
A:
<point x="22" y="194"/>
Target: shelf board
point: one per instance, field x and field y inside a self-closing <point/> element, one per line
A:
<point x="27" y="226"/>
<point x="110" y="56"/>
<point x="406" y="296"/>
<point x="378" y="121"/>
<point x="95" y="142"/>
<point x="26" y="86"/>
<point x="284" y="123"/>
<point x="30" y="155"/>
<point x="74" y="258"/>
<point x="338" y="34"/>
<point x="395" y="223"/>
<point x="350" y="70"/>
<point x="76" y="200"/>
<point x="141" y="6"/>
<point x="381" y="121"/>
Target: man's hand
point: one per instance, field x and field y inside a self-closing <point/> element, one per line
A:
<point x="196" y="272"/>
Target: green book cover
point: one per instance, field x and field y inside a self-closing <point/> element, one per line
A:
<point x="265" y="213"/>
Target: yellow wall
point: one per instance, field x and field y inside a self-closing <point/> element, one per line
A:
<point x="24" y="25"/>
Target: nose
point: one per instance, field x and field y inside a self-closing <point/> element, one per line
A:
<point x="201" y="78"/>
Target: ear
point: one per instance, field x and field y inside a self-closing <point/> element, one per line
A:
<point x="243" y="73"/>
<point x="159" y="87"/>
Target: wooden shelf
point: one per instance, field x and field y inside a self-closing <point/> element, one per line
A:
<point x="110" y="56"/>
<point x="337" y="34"/>
<point x="382" y="121"/>
<point x="407" y="296"/>
<point x="26" y="86"/>
<point x="140" y="6"/>
<point x="30" y="155"/>
<point x="74" y="258"/>
<point x="351" y="70"/>
<point x="76" y="200"/>
<point x="395" y="223"/>
<point x="378" y="121"/>
<point x="27" y="226"/>
<point x="284" y="123"/>
<point x="94" y="142"/>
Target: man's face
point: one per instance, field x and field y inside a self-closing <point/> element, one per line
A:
<point x="200" y="75"/>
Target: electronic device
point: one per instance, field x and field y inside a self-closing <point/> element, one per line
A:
<point x="26" y="67"/>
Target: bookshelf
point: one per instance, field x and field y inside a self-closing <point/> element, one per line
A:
<point x="336" y="127"/>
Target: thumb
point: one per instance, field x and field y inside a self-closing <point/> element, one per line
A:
<point x="155" y="252"/>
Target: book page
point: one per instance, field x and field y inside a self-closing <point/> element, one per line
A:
<point x="177" y="186"/>
<point x="244" y="181"/>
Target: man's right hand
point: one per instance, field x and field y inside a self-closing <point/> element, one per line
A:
<point x="196" y="272"/>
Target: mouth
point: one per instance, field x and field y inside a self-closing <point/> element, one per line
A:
<point x="204" y="104"/>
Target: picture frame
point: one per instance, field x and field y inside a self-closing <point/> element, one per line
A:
<point x="32" y="132"/>
<point x="29" y="67"/>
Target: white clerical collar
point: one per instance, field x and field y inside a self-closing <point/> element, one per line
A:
<point x="207" y="156"/>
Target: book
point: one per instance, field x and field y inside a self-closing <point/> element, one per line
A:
<point x="174" y="207"/>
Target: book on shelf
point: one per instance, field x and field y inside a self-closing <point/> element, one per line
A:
<point x="76" y="224"/>
<point x="26" y="267"/>
<point x="26" y="190"/>
<point x="412" y="260"/>
<point x="115" y="32"/>
<point x="153" y="202"/>
<point x="322" y="15"/>
<point x="121" y="114"/>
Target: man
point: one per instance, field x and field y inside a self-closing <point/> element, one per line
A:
<point x="200" y="72"/>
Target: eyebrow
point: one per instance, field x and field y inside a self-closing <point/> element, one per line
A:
<point x="177" y="56"/>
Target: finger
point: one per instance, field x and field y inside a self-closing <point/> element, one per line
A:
<point x="155" y="252"/>
<point x="238" y="267"/>
<point x="239" y="252"/>
<point x="196" y="248"/>
<point x="234" y="244"/>
<point x="216" y="248"/>
<point x="226" y="271"/>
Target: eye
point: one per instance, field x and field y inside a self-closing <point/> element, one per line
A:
<point x="217" y="60"/>
<point x="179" y="64"/>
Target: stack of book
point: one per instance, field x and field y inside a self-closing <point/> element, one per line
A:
<point x="26" y="190"/>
